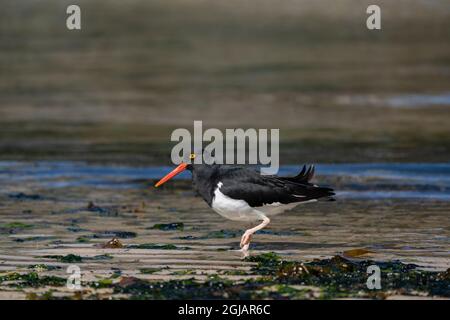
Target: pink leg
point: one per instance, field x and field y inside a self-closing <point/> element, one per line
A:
<point x="247" y="236"/>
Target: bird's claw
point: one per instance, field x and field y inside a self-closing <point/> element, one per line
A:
<point x="245" y="240"/>
<point x="244" y="251"/>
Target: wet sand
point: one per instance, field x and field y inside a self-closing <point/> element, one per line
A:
<point x="42" y="223"/>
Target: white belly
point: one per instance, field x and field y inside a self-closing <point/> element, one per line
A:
<point x="240" y="210"/>
<point x="233" y="209"/>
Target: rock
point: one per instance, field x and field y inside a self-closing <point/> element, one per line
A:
<point x="131" y="282"/>
<point x="353" y="253"/>
<point x="114" y="243"/>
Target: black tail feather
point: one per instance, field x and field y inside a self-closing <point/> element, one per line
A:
<point x="304" y="176"/>
<point x="315" y="192"/>
<point x="310" y="191"/>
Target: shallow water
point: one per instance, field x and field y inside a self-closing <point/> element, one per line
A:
<point x="404" y="101"/>
<point x="430" y="181"/>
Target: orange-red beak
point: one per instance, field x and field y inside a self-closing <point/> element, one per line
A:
<point x="172" y="174"/>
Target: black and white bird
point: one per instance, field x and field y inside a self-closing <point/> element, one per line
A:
<point x="243" y="194"/>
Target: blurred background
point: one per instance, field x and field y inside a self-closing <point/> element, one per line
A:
<point x="115" y="90"/>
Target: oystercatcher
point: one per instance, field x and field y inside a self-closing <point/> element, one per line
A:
<point x="243" y="194"/>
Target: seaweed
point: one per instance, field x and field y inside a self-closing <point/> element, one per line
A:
<point x="102" y="257"/>
<point x="229" y="234"/>
<point x="23" y="196"/>
<point x="43" y="267"/>
<point x="83" y="239"/>
<point x="184" y="272"/>
<point x="339" y="276"/>
<point x="168" y="226"/>
<point x="36" y="238"/>
<point x="276" y="278"/>
<point x="48" y="295"/>
<point x="70" y="258"/>
<point x="150" y="270"/>
<point x="236" y="272"/>
<point x="75" y="229"/>
<point x="221" y="234"/>
<point x="14" y="227"/>
<point x="102" y="283"/>
<point x="189" y="237"/>
<point x="114" y="234"/>
<point x="102" y="211"/>
<point x="32" y="279"/>
<point x="213" y="288"/>
<point x="157" y="246"/>
<point x="267" y="263"/>
<point x="328" y="278"/>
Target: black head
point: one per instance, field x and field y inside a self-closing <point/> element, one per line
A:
<point x="196" y="169"/>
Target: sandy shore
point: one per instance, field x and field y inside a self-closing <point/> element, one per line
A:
<point x="169" y="234"/>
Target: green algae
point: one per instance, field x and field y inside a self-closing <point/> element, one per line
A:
<point x="332" y="278"/>
<point x="73" y="258"/>
<point x="48" y="295"/>
<point x="229" y="234"/>
<point x="116" y="274"/>
<point x="168" y="226"/>
<point x="75" y="229"/>
<point x="70" y="258"/>
<point x="16" y="225"/>
<point x="114" y="234"/>
<point x="288" y="292"/>
<point x="213" y="288"/>
<point x="220" y="234"/>
<point x="234" y="272"/>
<point x="158" y="246"/>
<point x="102" y="283"/>
<point x="83" y="239"/>
<point x="266" y="262"/>
<point x="23" y="196"/>
<point x="34" y="239"/>
<point x="102" y="257"/>
<point x="276" y="278"/>
<point x="102" y="211"/>
<point x="184" y="272"/>
<point x="42" y="267"/>
<point x="340" y="277"/>
<point x="150" y="270"/>
<point x="31" y="279"/>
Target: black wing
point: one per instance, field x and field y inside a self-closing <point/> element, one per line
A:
<point x="257" y="190"/>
